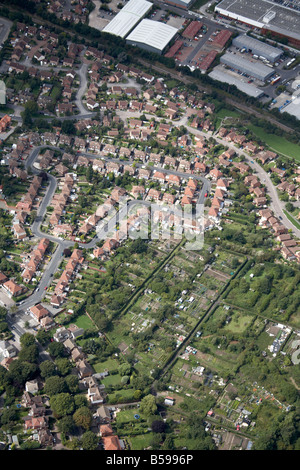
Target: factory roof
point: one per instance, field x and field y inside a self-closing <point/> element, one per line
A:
<point x="262" y="48"/>
<point x="225" y="77"/>
<point x="153" y="34"/>
<point x="249" y="66"/>
<point x="128" y="17"/>
<point x="259" y="13"/>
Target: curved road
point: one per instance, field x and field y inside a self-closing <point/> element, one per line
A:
<point x="39" y="293"/>
<point x="276" y="205"/>
<point x="46" y="279"/>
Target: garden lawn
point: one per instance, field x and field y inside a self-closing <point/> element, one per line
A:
<point x="140" y="442"/>
<point x="110" y="364"/>
<point x="84" y="322"/>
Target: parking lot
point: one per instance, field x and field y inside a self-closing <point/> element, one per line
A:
<point x="5" y="300"/>
<point x="98" y="19"/>
<point x="194" y="49"/>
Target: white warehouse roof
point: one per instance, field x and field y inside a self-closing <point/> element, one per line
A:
<point x="153" y="34"/>
<point x="128" y="17"/>
<point x="225" y="77"/>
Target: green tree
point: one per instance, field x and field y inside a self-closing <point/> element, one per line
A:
<point x="124" y="369"/>
<point x="29" y="354"/>
<point x="72" y="383"/>
<point x="43" y="337"/>
<point x="89" y="441"/>
<point x="66" y="425"/>
<point x="27" y="339"/>
<point x="9" y="416"/>
<point x="31" y="107"/>
<point x="148" y="405"/>
<point x="62" y="404"/>
<point x="83" y="417"/>
<point x="80" y="401"/>
<point x="63" y="365"/>
<point x="47" y="369"/>
<point x="20" y="372"/>
<point x="56" y="349"/>
<point x="55" y="385"/>
<point x="68" y="127"/>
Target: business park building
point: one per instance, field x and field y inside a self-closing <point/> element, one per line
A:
<point x="252" y="68"/>
<point x="266" y="16"/>
<point x="152" y="36"/>
<point x="185" y="4"/>
<point x="256" y="47"/>
<point x="225" y="77"/>
<point x="130" y="24"/>
<point x="130" y="15"/>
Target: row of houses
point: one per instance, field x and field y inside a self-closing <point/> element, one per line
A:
<point x="239" y="139"/>
<point x="59" y="202"/>
<point x="88" y="382"/>
<point x="35" y="260"/>
<point x="70" y="271"/>
<point x="86" y="375"/>
<point x="168" y="162"/>
<point x="27" y="202"/>
<point x="5" y="122"/>
<point x="289" y="247"/>
<point x="102" y="211"/>
<point x="36" y="420"/>
<point x="23" y="207"/>
<point x="219" y="197"/>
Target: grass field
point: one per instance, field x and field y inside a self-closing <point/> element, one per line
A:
<point x="239" y="323"/>
<point x="140" y="442"/>
<point x="277" y="143"/>
<point x="111" y="380"/>
<point x="109" y="364"/>
<point x="84" y="322"/>
<point x="226" y="113"/>
<point x="291" y="219"/>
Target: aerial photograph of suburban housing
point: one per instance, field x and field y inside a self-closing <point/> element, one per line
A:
<point x="150" y="226"/>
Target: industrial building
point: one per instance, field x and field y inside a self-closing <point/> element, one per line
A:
<point x="292" y="105"/>
<point x="130" y="15"/>
<point x="192" y="30"/>
<point x="259" y="48"/>
<point x="207" y="61"/>
<point x="252" y="68"/>
<point x="185" y="4"/>
<point x="152" y="36"/>
<point x="278" y="19"/>
<point x="221" y="39"/>
<point x="174" y="49"/>
<point x="224" y="77"/>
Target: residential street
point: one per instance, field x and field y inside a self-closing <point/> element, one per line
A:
<point x="82" y="72"/>
<point x="276" y="205"/>
<point x="107" y="226"/>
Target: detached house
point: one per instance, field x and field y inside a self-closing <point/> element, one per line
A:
<point x="12" y="289"/>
